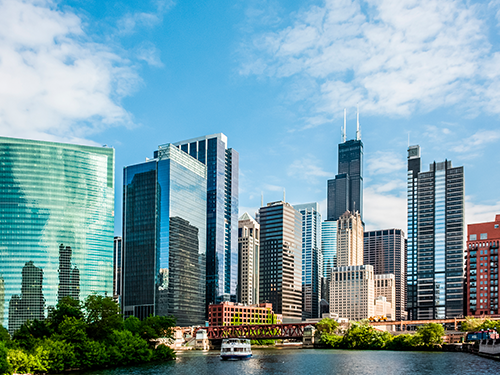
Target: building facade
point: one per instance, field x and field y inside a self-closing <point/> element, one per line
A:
<point x="385" y="286"/>
<point x="230" y="313"/>
<point x="435" y="255"/>
<point x="311" y="259"/>
<point x="56" y="227"/>
<point x="483" y="240"/>
<point x="281" y="260"/>
<point x="352" y="292"/>
<point x="222" y="213"/>
<point x="164" y="245"/>
<point x="117" y="268"/>
<point x="345" y="192"/>
<point x="248" y="253"/>
<point x="350" y="240"/>
<point x="385" y="250"/>
<point x="329" y="245"/>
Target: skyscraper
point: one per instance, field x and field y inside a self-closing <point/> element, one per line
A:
<point x="249" y="249"/>
<point x="385" y="250"/>
<point x="483" y="241"/>
<point x="164" y="229"/>
<point x="329" y="245"/>
<point x="350" y="240"/>
<point x="345" y="192"/>
<point x="311" y="259"/>
<point x="435" y="271"/>
<point x="281" y="259"/>
<point x="222" y="213"/>
<point x="52" y="194"/>
<point x="117" y="268"/>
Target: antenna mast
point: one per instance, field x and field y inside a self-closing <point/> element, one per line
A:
<point x="358" y="133"/>
<point x="344" y="131"/>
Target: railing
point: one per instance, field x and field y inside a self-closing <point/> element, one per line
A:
<point x="257" y="331"/>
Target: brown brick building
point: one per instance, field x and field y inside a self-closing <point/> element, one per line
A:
<point x="230" y="313"/>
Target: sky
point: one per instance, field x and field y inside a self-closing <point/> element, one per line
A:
<point x="275" y="77"/>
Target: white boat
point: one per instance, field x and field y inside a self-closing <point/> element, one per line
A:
<point x="235" y="349"/>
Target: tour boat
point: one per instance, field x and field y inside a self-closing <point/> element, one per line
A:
<point x="235" y="349"/>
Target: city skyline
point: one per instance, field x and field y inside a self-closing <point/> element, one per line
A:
<point x="170" y="71"/>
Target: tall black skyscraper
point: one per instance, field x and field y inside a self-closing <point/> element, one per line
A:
<point x="345" y="192"/>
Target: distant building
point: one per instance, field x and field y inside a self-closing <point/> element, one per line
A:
<point x="383" y="308"/>
<point x="345" y="192"/>
<point x="385" y="250"/>
<point x="230" y="313"/>
<point x="164" y="229"/>
<point x="352" y="292"/>
<point x="248" y="254"/>
<point x="329" y="245"/>
<point x="350" y="240"/>
<point x="56" y="228"/>
<point x="385" y="286"/>
<point x="222" y="213"/>
<point x="117" y="268"/>
<point x="483" y="240"/>
<point x="435" y="255"/>
<point x="311" y="259"/>
<point x="281" y="259"/>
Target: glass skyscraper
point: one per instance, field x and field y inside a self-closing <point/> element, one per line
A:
<point x="56" y="227"/>
<point x="345" y="192"/>
<point x="311" y="259"/>
<point x="435" y="255"/>
<point x="329" y="245"/>
<point x="164" y="229"/>
<point x="222" y="213"/>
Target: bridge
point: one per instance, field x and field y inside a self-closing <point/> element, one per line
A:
<point x="258" y="331"/>
<point x="403" y="324"/>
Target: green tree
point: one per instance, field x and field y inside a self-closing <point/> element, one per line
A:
<point x="331" y="340"/>
<point x="327" y="325"/>
<point x="28" y="334"/>
<point x="67" y="307"/>
<point x="133" y="324"/>
<point x="125" y="348"/>
<point x="102" y="315"/>
<point x="154" y="327"/>
<point x="4" y="364"/>
<point x="404" y="341"/>
<point x="4" y="334"/>
<point x="56" y="356"/>
<point x="95" y="354"/>
<point x="430" y="334"/>
<point x="163" y="353"/>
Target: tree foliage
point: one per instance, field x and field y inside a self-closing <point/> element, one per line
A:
<point x="472" y="324"/>
<point x="430" y="334"/>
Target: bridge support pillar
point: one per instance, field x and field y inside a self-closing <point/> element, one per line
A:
<point x="308" y="338"/>
<point x="202" y="342"/>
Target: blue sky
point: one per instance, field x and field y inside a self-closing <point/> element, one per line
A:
<point x="274" y="76"/>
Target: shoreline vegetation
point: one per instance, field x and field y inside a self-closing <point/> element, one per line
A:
<point x="84" y="336"/>
<point x="362" y="336"/>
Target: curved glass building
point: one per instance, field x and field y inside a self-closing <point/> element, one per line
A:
<point x="56" y="225"/>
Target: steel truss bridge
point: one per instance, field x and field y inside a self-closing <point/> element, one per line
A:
<point x="257" y="331"/>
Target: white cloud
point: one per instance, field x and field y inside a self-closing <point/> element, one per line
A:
<point x="383" y="162"/>
<point x="393" y="57"/>
<point x="383" y="211"/>
<point x="56" y="83"/>
<point x="481" y="137"/>
<point x="150" y="54"/>
<point x="480" y="213"/>
<point x="307" y="168"/>
<point x="270" y="187"/>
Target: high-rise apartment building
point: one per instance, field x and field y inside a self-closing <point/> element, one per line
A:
<point x="345" y="192"/>
<point x="248" y="249"/>
<point x="435" y="255"/>
<point x="56" y="227"/>
<point x="164" y="229"/>
<point x="117" y="268"/>
<point x="329" y="245"/>
<point x="281" y="259"/>
<point x="483" y="240"/>
<point x="385" y="250"/>
<point x="350" y="240"/>
<point x="222" y="213"/>
<point x="385" y="286"/>
<point x="352" y="292"/>
<point x="311" y="259"/>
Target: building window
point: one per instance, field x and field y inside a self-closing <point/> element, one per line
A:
<point x="473" y="237"/>
<point x="483" y="236"/>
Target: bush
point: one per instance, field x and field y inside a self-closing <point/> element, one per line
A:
<point x="5" y="368"/>
<point x="95" y="354"/>
<point x="430" y="334"/>
<point x="56" y="356"/>
<point x="404" y="341"/>
<point x="125" y="349"/>
<point x="332" y="341"/>
<point x="163" y="353"/>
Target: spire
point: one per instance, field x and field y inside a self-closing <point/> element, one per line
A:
<point x="358" y="132"/>
<point x="344" y="130"/>
<point x="284" y="195"/>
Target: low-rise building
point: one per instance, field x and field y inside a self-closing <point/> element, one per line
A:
<point x="385" y="286"/>
<point x="230" y="313"/>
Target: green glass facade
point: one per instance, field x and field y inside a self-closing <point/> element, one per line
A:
<point x="56" y="225"/>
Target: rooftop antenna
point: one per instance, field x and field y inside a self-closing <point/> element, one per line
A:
<point x="284" y="195"/>
<point x="343" y="132"/>
<point x="358" y="133"/>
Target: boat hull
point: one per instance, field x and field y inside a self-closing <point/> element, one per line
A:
<point x="233" y="357"/>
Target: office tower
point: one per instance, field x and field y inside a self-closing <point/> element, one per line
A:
<point x="222" y="213"/>
<point x="52" y="194"/>
<point x="281" y="259"/>
<point x="385" y="286"/>
<point x="385" y="250"/>
<point x="117" y="268"/>
<point x="248" y="254"/>
<point x="345" y="192"/>
<point x="311" y="259"/>
<point x="164" y="222"/>
<point x="352" y="292"/>
<point x="435" y="270"/>
<point x="2" y="297"/>
<point x="350" y="240"/>
<point x="329" y="245"/>
<point x="483" y="240"/>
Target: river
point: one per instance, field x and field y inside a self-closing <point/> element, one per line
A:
<point x="318" y="361"/>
